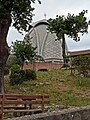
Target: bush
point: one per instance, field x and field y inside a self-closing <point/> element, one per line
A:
<point x="82" y="64"/>
<point x="17" y="76"/>
<point x="15" y="68"/>
<point x="11" y="61"/>
<point x="30" y="74"/>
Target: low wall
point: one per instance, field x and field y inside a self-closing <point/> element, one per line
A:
<point x="42" y="65"/>
<point x="78" y="113"/>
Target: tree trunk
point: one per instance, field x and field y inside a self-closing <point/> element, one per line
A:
<point x="4" y="49"/>
<point x="63" y="49"/>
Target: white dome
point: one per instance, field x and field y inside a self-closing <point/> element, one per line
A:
<point x="47" y="45"/>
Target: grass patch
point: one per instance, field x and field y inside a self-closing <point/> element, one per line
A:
<point x="63" y="88"/>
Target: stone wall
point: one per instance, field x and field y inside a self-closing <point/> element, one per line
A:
<point x="78" y="113"/>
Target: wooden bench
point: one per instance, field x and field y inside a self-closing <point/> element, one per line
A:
<point x="17" y="103"/>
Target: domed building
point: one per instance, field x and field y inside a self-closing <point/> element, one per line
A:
<point x="47" y="44"/>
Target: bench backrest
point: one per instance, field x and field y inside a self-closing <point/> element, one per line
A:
<point x="8" y="101"/>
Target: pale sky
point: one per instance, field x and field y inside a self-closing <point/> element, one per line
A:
<point x="58" y="7"/>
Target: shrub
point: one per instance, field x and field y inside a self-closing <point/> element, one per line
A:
<point x="82" y="64"/>
<point x="17" y="77"/>
<point x="30" y="74"/>
<point x="11" y="61"/>
<point x="15" y="68"/>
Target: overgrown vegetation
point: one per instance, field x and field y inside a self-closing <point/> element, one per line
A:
<point x="63" y="88"/>
<point x="18" y="76"/>
<point x="82" y="65"/>
<point x="23" y="50"/>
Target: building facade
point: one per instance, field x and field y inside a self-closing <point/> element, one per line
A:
<point x="46" y="43"/>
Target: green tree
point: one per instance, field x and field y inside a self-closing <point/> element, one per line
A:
<point x="19" y="13"/>
<point x="23" y="50"/>
<point x="71" y="25"/>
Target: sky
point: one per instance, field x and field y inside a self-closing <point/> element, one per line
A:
<point x="49" y="9"/>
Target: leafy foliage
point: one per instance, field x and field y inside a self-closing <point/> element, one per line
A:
<point x="19" y="11"/>
<point x="82" y="64"/>
<point x="30" y="74"/>
<point x="17" y="76"/>
<point x="11" y="61"/>
<point x="71" y="25"/>
<point x="23" y="50"/>
<point x="15" y="68"/>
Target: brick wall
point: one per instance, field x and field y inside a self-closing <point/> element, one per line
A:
<point x="42" y="65"/>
